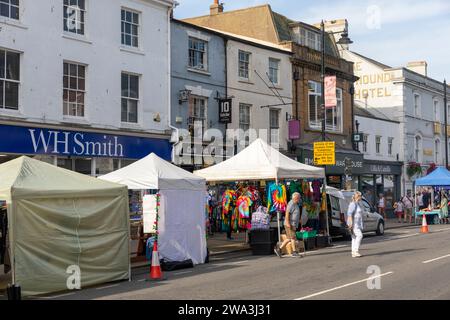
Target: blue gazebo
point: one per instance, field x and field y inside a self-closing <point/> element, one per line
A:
<point x="440" y="177"/>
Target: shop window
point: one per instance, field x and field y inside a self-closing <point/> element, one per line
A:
<point x="74" y="89"/>
<point x="83" y="165"/>
<point x="124" y="162"/>
<point x="130" y="98"/>
<point x="130" y="28"/>
<point x="105" y="165"/>
<point x="74" y="16"/>
<point x="65" y="163"/>
<point x="9" y="9"/>
<point x="367" y="188"/>
<point x="9" y="79"/>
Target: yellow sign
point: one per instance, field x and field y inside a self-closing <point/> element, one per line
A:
<point x="325" y="153"/>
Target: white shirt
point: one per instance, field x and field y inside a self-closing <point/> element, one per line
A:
<point x="381" y="203"/>
<point x="399" y="207"/>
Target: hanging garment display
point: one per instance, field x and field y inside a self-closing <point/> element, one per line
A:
<point x="323" y="207"/>
<point x="260" y="219"/>
<point x="277" y="199"/>
<point x="295" y="186"/>
<point x="228" y="199"/>
<point x="316" y="185"/>
<point x="243" y="204"/>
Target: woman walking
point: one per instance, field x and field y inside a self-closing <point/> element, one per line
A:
<point x="444" y="208"/>
<point x="355" y="223"/>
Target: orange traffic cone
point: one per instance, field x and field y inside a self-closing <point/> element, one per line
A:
<point x="155" y="268"/>
<point x="424" y="225"/>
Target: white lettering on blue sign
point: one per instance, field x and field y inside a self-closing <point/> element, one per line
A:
<point x="59" y="142"/>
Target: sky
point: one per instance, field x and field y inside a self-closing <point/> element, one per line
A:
<point x="393" y="32"/>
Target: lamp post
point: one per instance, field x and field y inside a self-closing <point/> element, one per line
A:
<point x="344" y="40"/>
<point x="446" y="124"/>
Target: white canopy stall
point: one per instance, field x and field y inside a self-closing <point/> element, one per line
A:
<point x="259" y="161"/>
<point x="182" y="223"/>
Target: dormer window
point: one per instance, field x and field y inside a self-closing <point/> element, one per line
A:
<point x="308" y="38"/>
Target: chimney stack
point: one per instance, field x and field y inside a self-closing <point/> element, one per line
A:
<point x="216" y="8"/>
<point x="420" y="67"/>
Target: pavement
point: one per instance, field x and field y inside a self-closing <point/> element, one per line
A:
<point x="407" y="265"/>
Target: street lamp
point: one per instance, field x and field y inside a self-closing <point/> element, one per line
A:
<point x="344" y="40"/>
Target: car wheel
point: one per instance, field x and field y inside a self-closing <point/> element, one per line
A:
<point x="380" y="228"/>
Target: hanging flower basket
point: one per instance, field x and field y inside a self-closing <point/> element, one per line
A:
<point x="431" y="168"/>
<point x="413" y="169"/>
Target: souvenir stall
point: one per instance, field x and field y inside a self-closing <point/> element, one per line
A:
<point x="168" y="203"/>
<point x="438" y="180"/>
<point x="57" y="222"/>
<point x="261" y="178"/>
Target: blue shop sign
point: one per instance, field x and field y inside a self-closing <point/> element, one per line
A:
<point x="26" y="140"/>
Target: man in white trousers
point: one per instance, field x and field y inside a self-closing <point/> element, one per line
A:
<point x="355" y="223"/>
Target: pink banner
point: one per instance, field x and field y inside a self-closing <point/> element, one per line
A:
<point x="294" y="129"/>
<point x="330" y="92"/>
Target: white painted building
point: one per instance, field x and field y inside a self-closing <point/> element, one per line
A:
<point x="407" y="95"/>
<point x="85" y="74"/>
<point x="259" y="78"/>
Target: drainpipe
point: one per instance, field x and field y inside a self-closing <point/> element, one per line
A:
<point x="169" y="91"/>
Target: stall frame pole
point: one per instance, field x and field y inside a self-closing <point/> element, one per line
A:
<point x="326" y="210"/>
<point x="278" y="218"/>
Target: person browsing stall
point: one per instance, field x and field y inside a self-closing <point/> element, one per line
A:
<point x="291" y="223"/>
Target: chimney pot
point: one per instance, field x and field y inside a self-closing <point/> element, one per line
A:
<point x="216" y="8"/>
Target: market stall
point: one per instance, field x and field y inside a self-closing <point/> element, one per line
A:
<point x="260" y="175"/>
<point x="179" y="197"/>
<point x="437" y="181"/>
<point x="62" y="224"/>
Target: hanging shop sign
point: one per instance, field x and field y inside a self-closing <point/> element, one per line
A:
<point x="56" y="142"/>
<point x="294" y="129"/>
<point x="358" y="137"/>
<point x="330" y="92"/>
<point x="325" y="153"/>
<point x="225" y="110"/>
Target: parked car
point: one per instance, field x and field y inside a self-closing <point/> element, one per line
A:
<point x="338" y="203"/>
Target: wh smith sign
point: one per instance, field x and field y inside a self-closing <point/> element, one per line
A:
<point x="26" y="140"/>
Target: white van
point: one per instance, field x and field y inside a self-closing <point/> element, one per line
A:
<point x="338" y="203"/>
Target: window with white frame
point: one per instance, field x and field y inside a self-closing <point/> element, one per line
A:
<point x="198" y="54"/>
<point x="9" y="9"/>
<point x="244" y="121"/>
<point x="365" y="142"/>
<point x="437" y="151"/>
<point x="417" y="105"/>
<point x="437" y="113"/>
<point x="314" y="97"/>
<point x="378" y="144"/>
<point x="418" y="148"/>
<point x="198" y="109"/>
<point x="74" y="89"/>
<point x="390" y="145"/>
<point x="274" y="126"/>
<point x="130" y="28"/>
<point x="308" y="38"/>
<point x="9" y="79"/>
<point x="274" y="70"/>
<point x="448" y="113"/>
<point x="130" y="97"/>
<point x="334" y="114"/>
<point x="74" y="16"/>
<point x="244" y="64"/>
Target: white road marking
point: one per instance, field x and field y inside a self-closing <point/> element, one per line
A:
<point x="440" y="230"/>
<point x="440" y="258"/>
<point x="239" y="262"/>
<point x="344" y="286"/>
<point x="340" y="246"/>
<point x="142" y="280"/>
<point x="182" y="272"/>
<point x="60" y="295"/>
<point x="107" y="287"/>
